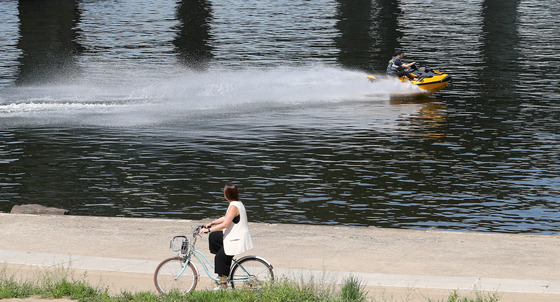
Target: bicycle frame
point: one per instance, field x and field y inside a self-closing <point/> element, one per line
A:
<point x="204" y="260"/>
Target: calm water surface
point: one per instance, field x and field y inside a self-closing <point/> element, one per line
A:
<point x="147" y="108"/>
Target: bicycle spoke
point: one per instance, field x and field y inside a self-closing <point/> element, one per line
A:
<point x="172" y="276"/>
<point x="251" y="273"/>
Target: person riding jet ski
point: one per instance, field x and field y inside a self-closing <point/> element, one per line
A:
<point x="397" y="67"/>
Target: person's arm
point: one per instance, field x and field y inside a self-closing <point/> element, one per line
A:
<point x="208" y="225"/>
<point x="408" y="65"/>
<point x="222" y="222"/>
<point x="216" y="221"/>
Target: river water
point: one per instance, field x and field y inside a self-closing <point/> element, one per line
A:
<point x="146" y="108"/>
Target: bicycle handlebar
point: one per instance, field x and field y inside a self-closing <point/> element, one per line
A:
<point x="197" y="229"/>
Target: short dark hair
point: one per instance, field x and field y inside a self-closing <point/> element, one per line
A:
<point x="231" y="193"/>
<point x="398" y="52"/>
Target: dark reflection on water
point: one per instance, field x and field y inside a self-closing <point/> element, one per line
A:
<point x="192" y="42"/>
<point x="369" y="33"/>
<point x="47" y="40"/>
<point x="160" y="103"/>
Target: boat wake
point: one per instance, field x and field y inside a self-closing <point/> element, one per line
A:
<point x="136" y="98"/>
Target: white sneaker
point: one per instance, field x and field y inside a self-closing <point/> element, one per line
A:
<point x="219" y="287"/>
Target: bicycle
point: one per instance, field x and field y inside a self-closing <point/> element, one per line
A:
<point x="180" y="274"/>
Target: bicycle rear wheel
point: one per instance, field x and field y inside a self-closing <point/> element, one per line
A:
<point x="251" y="272"/>
<point x="167" y="278"/>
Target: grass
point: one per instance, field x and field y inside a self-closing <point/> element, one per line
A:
<point x="61" y="284"/>
<point x="53" y="284"/>
<point x="479" y="297"/>
<point x="353" y="290"/>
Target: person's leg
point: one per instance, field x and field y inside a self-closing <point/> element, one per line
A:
<point x="215" y="241"/>
<point x="404" y="73"/>
<point x="222" y="264"/>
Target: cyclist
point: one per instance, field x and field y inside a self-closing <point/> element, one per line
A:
<point x="229" y="235"/>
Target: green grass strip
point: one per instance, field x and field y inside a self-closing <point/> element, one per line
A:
<point x="60" y="284"/>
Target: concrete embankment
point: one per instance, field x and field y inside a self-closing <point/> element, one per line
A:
<point x="396" y="265"/>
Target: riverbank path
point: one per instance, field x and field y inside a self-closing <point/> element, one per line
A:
<point x="394" y="265"/>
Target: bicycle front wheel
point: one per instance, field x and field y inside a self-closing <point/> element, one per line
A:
<point x="251" y="272"/>
<point x="172" y="275"/>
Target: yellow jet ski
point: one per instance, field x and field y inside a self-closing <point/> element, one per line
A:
<point x="428" y="79"/>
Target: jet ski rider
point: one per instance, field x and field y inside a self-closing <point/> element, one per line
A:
<point x="397" y="67"/>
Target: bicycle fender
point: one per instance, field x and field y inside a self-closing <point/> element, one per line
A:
<point x="253" y="256"/>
